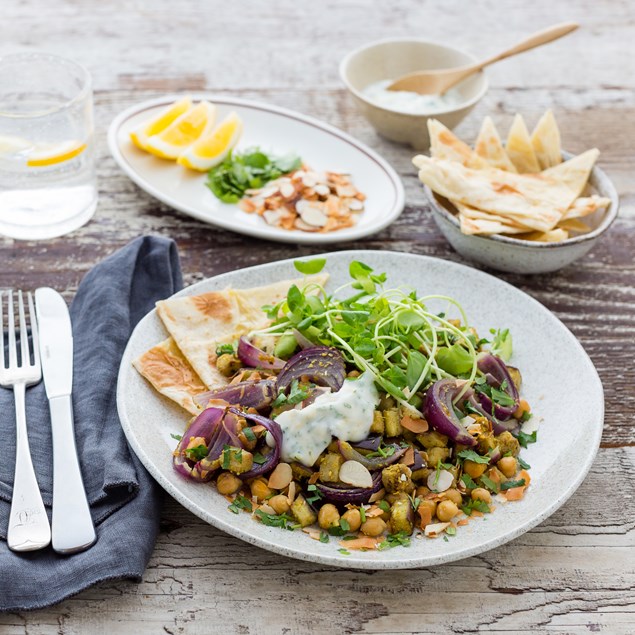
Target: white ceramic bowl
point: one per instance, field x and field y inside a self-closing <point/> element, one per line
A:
<point x="523" y="256"/>
<point x="389" y="59"/>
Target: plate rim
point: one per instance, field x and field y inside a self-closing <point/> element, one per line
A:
<point x="305" y="238"/>
<point x="353" y="561"/>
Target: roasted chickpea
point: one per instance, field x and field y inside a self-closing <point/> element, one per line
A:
<point x="473" y="469"/>
<point x="481" y="494"/>
<point x="374" y="527"/>
<point x="424" y="505"/>
<point x="454" y="495"/>
<point x="279" y="503"/>
<point x="328" y="516"/>
<point x="446" y="511"/>
<point x="508" y="466"/>
<point x="260" y="489"/>
<point x="354" y="518"/>
<point x="228" y="484"/>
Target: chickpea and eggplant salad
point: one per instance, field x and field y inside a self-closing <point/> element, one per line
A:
<point x="366" y="419"/>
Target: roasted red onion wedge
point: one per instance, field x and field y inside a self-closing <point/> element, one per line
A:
<point x="438" y="410"/>
<point x="273" y="458"/>
<point x="353" y="495"/>
<point x="254" y="357"/>
<point x="321" y="365"/>
<point x="496" y="375"/>
<point x="248" y="394"/>
<point x="374" y="463"/>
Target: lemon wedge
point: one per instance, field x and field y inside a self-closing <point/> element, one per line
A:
<point x="183" y="131"/>
<point x="140" y="135"/>
<point x="50" y="154"/>
<point x="211" y="149"/>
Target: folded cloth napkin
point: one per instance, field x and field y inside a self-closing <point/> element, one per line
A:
<point x="124" y="500"/>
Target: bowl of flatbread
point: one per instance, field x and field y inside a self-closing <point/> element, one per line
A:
<point x="524" y="206"/>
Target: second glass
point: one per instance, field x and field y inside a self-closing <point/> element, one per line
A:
<point x="47" y="164"/>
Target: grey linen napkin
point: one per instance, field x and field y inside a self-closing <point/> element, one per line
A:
<point x="124" y="500"/>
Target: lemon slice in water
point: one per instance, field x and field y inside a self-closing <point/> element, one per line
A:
<point x="142" y="133"/>
<point x="211" y="149"/>
<point x="183" y="131"/>
<point x="52" y="153"/>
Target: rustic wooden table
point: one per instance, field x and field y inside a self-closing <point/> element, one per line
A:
<point x="575" y="573"/>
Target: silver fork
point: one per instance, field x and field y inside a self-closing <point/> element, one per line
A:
<point x="29" y="527"/>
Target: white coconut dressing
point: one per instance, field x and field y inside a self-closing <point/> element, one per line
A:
<point x="409" y="102"/>
<point x="346" y="414"/>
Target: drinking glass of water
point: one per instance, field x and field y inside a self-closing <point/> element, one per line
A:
<point x="47" y="163"/>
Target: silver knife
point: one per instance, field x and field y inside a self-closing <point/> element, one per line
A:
<point x="72" y="527"/>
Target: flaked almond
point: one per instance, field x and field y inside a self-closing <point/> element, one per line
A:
<point x="432" y="531"/>
<point x="268" y="191"/>
<point x="314" y="217"/>
<point x="416" y="425"/>
<point x="272" y="216"/>
<point x="377" y="496"/>
<point x="298" y="223"/>
<point x="267" y="509"/>
<point x="440" y="481"/>
<point x="287" y="190"/>
<point x="291" y="492"/>
<point x="345" y="190"/>
<point x="355" y="474"/>
<point x="281" y="476"/>
<point x="322" y="190"/>
<point x="355" y="205"/>
<point x="309" y="179"/>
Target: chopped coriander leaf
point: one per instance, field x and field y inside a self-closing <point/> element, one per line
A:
<point x="383" y="505"/>
<point x="451" y="531"/>
<point x="225" y="349"/>
<point x="468" y="482"/>
<point x="240" y="503"/>
<point x="249" y="434"/>
<point x="415" y="501"/>
<point x="362" y="513"/>
<point x="324" y="537"/>
<point x="526" y="416"/>
<point x="509" y="484"/>
<point x="197" y="453"/>
<point x="176" y="437"/>
<point x="344" y="524"/>
<point x="479" y="506"/>
<point x="316" y="494"/>
<point x="344" y="552"/>
<point x="400" y="539"/>
<point x="445" y="538"/>
<point x="250" y="169"/>
<point x="274" y="520"/>
<point x="526" y="439"/>
<point x="299" y="392"/>
<point x="308" y="267"/>
<point x="470" y="455"/>
<point x="259" y="459"/>
<point x="489" y="483"/>
<point x="524" y="464"/>
<point x="350" y="537"/>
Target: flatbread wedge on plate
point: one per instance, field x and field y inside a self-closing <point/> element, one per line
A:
<point x="184" y="365"/>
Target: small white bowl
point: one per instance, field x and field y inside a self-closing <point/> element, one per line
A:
<point x="389" y="59"/>
<point x="514" y="255"/>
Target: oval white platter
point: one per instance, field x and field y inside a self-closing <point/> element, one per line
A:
<point x="559" y="381"/>
<point x="276" y="130"/>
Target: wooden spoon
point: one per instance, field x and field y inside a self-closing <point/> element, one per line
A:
<point x="440" y="81"/>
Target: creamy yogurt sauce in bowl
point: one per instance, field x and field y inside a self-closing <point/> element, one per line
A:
<point x="409" y="102"/>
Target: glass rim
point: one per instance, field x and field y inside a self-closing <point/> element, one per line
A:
<point x="82" y="72"/>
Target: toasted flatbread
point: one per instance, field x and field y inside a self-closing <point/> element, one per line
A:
<point x="165" y="367"/>
<point x="586" y="205"/>
<point x="490" y="147"/>
<point x="575" y="172"/>
<point x="536" y="201"/>
<point x="487" y="227"/>
<point x="552" y="236"/>
<point x="200" y="323"/>
<point x="444" y="144"/>
<point x="574" y="225"/>
<point x="545" y="140"/>
<point x="478" y="214"/>
<point x="519" y="148"/>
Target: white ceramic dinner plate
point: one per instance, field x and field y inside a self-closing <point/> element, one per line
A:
<point x="273" y="129"/>
<point x="559" y="381"/>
